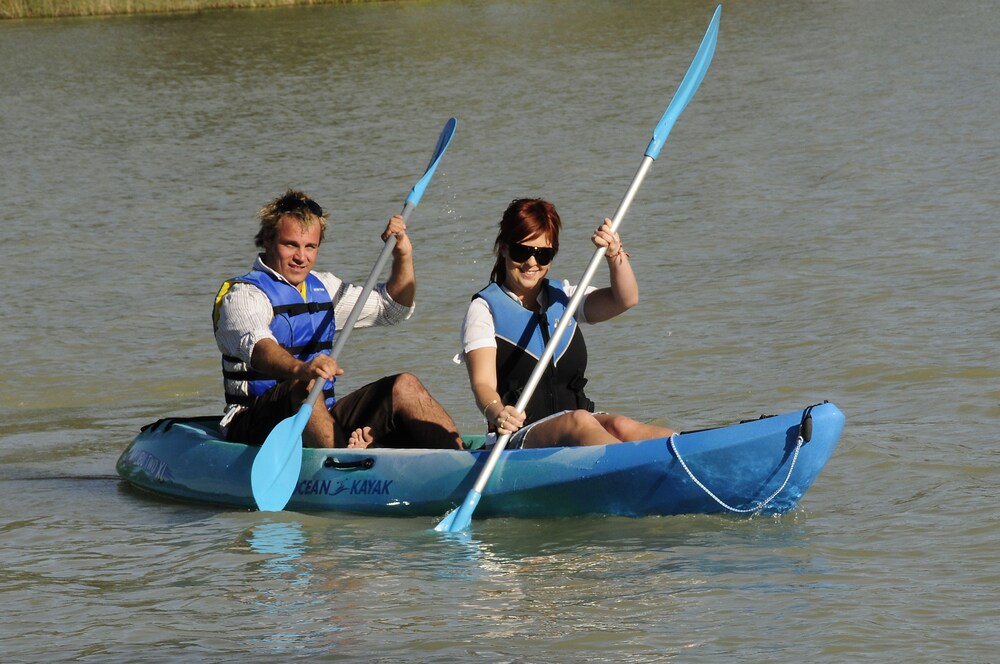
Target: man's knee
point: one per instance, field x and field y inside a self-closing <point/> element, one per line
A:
<point x="407" y="389"/>
<point x="407" y="383"/>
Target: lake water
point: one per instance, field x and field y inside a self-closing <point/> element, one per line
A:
<point x="822" y="224"/>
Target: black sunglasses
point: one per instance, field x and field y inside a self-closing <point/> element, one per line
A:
<point x="295" y="205"/>
<point x="519" y="253"/>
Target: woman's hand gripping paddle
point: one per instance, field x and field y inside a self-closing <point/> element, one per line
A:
<point x="276" y="468"/>
<point x="461" y="517"/>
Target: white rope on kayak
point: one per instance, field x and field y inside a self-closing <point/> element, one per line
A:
<point x="755" y="510"/>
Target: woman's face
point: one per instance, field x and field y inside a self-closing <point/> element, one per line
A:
<point x="528" y="262"/>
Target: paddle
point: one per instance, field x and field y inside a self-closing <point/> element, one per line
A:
<point x="460" y="518"/>
<point x="276" y="467"/>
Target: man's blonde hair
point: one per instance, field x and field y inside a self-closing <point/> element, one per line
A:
<point x="296" y="204"/>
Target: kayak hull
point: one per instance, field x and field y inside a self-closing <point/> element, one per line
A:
<point x="755" y="466"/>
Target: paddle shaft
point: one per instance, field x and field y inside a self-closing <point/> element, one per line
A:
<point x="345" y="332"/>
<point x="412" y="200"/>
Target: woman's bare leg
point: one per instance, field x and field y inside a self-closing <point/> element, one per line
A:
<point x="576" y="427"/>
<point x="625" y="428"/>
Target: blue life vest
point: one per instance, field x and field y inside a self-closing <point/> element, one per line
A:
<point x="303" y="328"/>
<point x="521" y="339"/>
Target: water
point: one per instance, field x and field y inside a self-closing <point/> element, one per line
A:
<point x="820" y="225"/>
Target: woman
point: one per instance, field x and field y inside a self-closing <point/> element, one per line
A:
<point x="509" y="323"/>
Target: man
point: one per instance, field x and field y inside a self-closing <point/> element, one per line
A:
<point x="275" y="327"/>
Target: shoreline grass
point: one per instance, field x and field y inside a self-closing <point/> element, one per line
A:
<point x="10" y="9"/>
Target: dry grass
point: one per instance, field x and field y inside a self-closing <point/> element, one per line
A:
<point x="56" y="8"/>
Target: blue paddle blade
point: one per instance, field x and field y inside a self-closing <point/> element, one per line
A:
<point x="687" y="88"/>
<point x="460" y="518"/>
<point x="276" y="467"/>
<point x="443" y="140"/>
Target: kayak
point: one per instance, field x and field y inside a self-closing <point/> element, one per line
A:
<point x="757" y="466"/>
<point x="760" y="466"/>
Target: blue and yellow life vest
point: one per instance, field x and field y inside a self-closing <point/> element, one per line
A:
<point x="303" y="327"/>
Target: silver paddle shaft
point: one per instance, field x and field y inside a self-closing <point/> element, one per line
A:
<point x="366" y="290"/>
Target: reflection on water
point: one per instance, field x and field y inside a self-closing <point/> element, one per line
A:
<point x="284" y="543"/>
<point x="278" y="576"/>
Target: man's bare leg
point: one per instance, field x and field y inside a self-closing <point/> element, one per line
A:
<point x="419" y="415"/>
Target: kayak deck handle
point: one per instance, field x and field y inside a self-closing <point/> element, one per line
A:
<point x="358" y="464"/>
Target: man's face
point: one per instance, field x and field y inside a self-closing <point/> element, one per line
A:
<point x="293" y="251"/>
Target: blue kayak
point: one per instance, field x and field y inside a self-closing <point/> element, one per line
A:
<point x="758" y="466"/>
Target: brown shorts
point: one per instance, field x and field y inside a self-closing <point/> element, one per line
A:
<point x="367" y="406"/>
